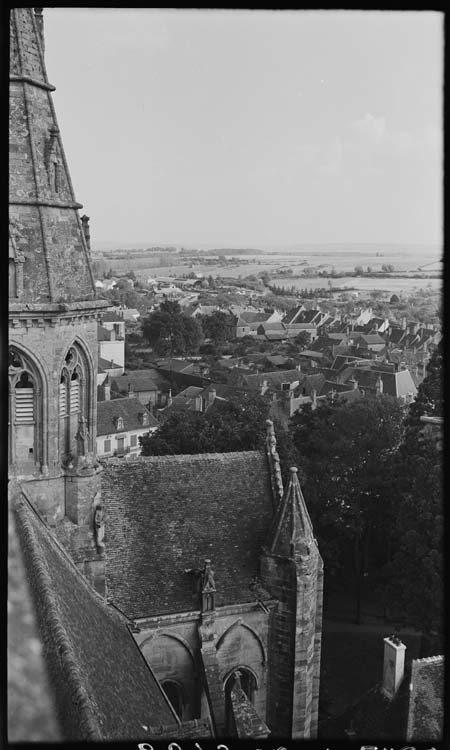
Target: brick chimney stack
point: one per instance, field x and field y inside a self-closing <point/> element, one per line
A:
<point x="393" y="665"/>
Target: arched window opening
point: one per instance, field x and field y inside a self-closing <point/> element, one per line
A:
<point x="73" y="400"/>
<point x="24" y="408"/>
<point x="174" y="694"/>
<point x="248" y="685"/>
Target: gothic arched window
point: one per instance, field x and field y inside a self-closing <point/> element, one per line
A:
<point x="246" y="680"/>
<point x="73" y="398"/>
<point x="25" y="413"/>
<point x="174" y="693"/>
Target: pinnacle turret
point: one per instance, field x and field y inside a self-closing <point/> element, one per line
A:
<point x="291" y="534"/>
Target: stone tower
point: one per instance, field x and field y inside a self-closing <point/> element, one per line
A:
<point x="292" y="571"/>
<point x="53" y="312"/>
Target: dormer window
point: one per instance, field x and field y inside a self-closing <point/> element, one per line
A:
<point x="118" y="423"/>
<point x="143" y="418"/>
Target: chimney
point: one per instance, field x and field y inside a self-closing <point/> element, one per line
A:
<point x="354" y="382"/>
<point x="314" y="398"/>
<point x="130" y="390"/>
<point x="169" y="398"/>
<point x="106" y="390"/>
<point x="212" y="395"/>
<point x="111" y="364"/>
<point x="393" y="665"/>
<point x="198" y="403"/>
<point x="39" y="18"/>
<point x="404" y="324"/>
<point x="86" y="231"/>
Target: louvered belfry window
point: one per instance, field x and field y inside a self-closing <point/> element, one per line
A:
<point x="74" y="394"/>
<point x="24" y="400"/>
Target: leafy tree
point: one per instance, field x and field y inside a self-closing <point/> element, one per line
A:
<point x="234" y="425"/>
<point x="302" y="339"/>
<point x="387" y="268"/>
<point x="359" y="270"/>
<point x="416" y="571"/>
<point x="215" y="326"/>
<point x="169" y="331"/>
<point x="345" y="450"/>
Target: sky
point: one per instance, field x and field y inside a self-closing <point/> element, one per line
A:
<point x="251" y="128"/>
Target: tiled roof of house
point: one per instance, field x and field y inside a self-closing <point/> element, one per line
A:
<point x="166" y="514"/>
<point x="371" y="338"/>
<point x="103" y="686"/>
<point x="107" y="364"/>
<point x="274" y="378"/>
<point x="103" y="334"/>
<point x="140" y="380"/>
<point x="112" y="317"/>
<point x="255" y="317"/>
<point x="292" y="314"/>
<point x="127" y="408"/>
<point x="426" y="704"/>
<point x="394" y="383"/>
<point x="175" y="365"/>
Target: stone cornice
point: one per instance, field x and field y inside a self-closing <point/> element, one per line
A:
<point x="51" y="204"/>
<point x="33" y="81"/>
<point x="53" y="314"/>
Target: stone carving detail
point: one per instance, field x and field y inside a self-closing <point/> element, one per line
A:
<point x="274" y="462"/>
<point x="208" y="588"/>
<point x="99" y="524"/>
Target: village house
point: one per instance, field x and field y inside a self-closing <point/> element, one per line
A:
<point x="149" y="387"/>
<point x="120" y="423"/>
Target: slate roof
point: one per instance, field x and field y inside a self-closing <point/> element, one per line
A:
<point x="371" y="338"/>
<point x="112" y="317"/>
<point x="127" y="408"/>
<point x="103" y="687"/>
<point x="291" y="315"/>
<point x="394" y="383"/>
<point x="103" y="334"/>
<point x="274" y="378"/>
<point x="255" y="317"/>
<point x="141" y="380"/>
<point x="105" y="364"/>
<point x="166" y="514"/>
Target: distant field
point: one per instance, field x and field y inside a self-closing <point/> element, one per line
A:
<point x="404" y="258"/>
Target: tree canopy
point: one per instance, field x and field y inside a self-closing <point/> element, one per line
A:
<point x="345" y="452"/>
<point x="169" y="331"/>
<point x="234" y="425"/>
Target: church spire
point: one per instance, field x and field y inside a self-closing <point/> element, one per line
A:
<point x="43" y="208"/>
<point x="291" y="533"/>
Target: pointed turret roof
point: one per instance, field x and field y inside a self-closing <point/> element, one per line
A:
<point x="43" y="211"/>
<point x="291" y="533"/>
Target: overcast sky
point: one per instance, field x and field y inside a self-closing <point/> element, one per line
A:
<point x="245" y="128"/>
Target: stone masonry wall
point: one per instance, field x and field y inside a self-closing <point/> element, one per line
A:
<point x="172" y="648"/>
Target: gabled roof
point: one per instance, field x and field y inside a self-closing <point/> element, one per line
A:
<point x="107" y="364"/>
<point x="103" y="687"/>
<point x="182" y="510"/>
<point x="274" y="378"/>
<point x="291" y="315"/>
<point x="255" y="317"/>
<point x="103" y="334"/>
<point x="371" y="338"/>
<point x="140" y="380"/>
<point x="174" y="365"/>
<point x="127" y="408"/>
<point x="112" y="317"/>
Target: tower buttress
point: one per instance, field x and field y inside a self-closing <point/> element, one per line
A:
<point x="53" y="309"/>
<point x="292" y="571"/>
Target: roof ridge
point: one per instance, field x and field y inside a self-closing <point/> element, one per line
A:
<point x="47" y="599"/>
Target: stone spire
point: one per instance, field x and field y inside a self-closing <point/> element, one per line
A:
<point x="291" y="533"/>
<point x="43" y="208"/>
